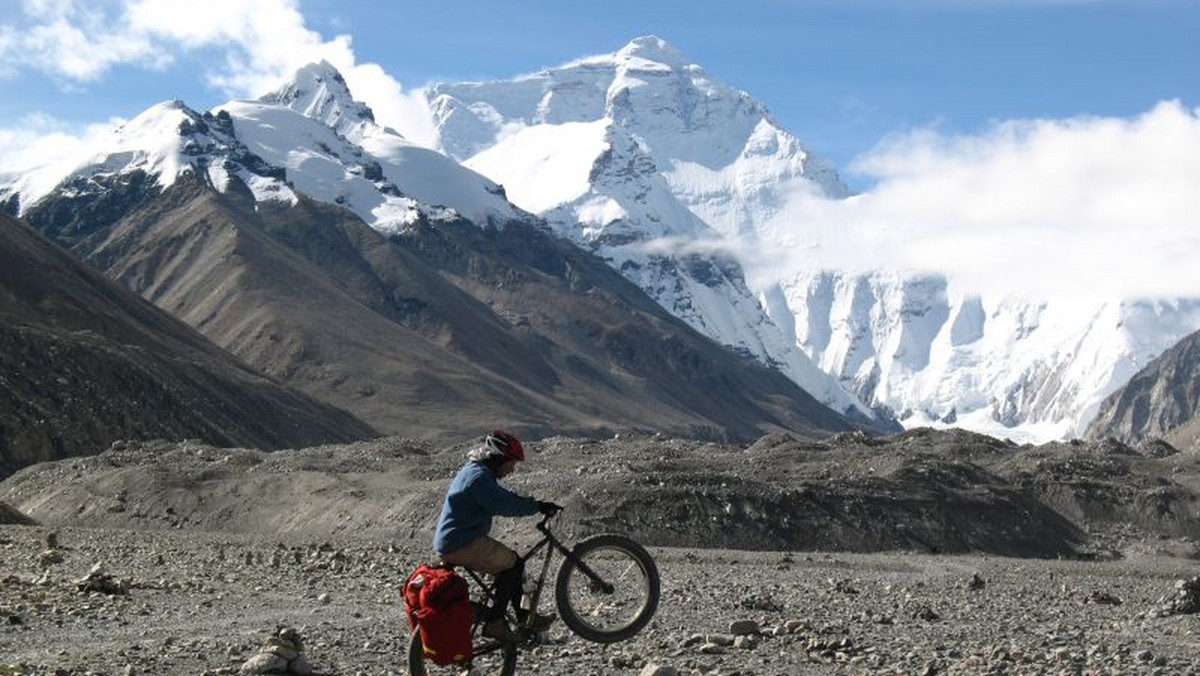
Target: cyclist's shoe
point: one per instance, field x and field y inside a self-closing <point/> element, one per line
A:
<point x="536" y="621"/>
<point x="497" y="629"/>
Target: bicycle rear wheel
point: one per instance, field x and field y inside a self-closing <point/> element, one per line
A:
<point x="489" y="657"/>
<point x="607" y="617"/>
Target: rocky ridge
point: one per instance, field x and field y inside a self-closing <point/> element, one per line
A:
<point x="921" y="490"/>
<point x="1159" y="400"/>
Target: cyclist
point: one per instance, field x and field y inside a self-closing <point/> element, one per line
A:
<point x="474" y="497"/>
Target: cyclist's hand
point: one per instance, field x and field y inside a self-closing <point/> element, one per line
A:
<point x="548" y="508"/>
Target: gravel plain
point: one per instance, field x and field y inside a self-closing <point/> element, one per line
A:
<point x="203" y="603"/>
<point x="850" y="556"/>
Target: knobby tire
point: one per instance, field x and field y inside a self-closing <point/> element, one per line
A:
<point x="608" y="618"/>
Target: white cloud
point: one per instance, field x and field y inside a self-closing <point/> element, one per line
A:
<point x="266" y="41"/>
<point x="263" y="41"/>
<point x="40" y="139"/>
<point x="259" y="44"/>
<point x="71" y="40"/>
<point x="1082" y="206"/>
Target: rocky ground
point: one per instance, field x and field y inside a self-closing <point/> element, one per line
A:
<point x="923" y="553"/>
<point x="178" y="602"/>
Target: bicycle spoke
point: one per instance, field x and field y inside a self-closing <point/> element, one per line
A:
<point x="608" y="612"/>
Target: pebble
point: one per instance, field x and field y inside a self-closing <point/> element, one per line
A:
<point x="743" y="627"/>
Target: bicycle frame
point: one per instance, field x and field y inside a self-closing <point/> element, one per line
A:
<point x="551" y="544"/>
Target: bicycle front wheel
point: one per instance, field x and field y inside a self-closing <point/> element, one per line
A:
<point x="489" y="658"/>
<point x="615" y="614"/>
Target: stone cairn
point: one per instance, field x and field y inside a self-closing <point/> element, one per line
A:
<point x="53" y="554"/>
<point x="99" y="581"/>
<point x="1186" y="600"/>
<point x="282" y="653"/>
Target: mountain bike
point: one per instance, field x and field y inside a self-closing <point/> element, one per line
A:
<point x="606" y="590"/>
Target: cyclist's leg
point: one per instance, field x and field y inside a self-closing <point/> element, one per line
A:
<point x="486" y="555"/>
<point x="508" y="588"/>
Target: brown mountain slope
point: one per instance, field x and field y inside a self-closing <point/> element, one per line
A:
<point x="604" y="332"/>
<point x="84" y="362"/>
<point x="442" y="332"/>
<point x="1162" y="399"/>
<point x="1186" y="437"/>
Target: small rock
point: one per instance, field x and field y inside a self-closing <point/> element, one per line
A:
<point x="743" y="627"/>
<point x="1186" y="600"/>
<point x="1103" y="598"/>
<point x="50" y="557"/>
<point x="285" y="649"/>
<point x="99" y="581"/>
<point x="653" y="669"/>
<point x="300" y="666"/>
<point x="746" y="641"/>
<point x="264" y="663"/>
<point x="925" y="613"/>
<point x="621" y="661"/>
<point x="720" y="639"/>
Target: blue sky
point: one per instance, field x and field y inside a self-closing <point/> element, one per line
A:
<point x="841" y="75"/>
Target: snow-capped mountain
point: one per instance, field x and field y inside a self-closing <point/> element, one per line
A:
<point x="314" y="128"/>
<point x="644" y="158"/>
<point x="309" y="136"/>
<point x="601" y="149"/>
<point x="1026" y="369"/>
<point x="388" y="279"/>
<point x="165" y="141"/>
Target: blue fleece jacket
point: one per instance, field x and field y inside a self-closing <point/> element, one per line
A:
<point x="474" y="497"/>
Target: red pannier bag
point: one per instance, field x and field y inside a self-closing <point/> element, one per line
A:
<point x="438" y="604"/>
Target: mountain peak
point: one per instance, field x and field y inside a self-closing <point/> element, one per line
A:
<point x="653" y="48"/>
<point x="318" y="91"/>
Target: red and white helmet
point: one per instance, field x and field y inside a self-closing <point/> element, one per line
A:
<point x="502" y="443"/>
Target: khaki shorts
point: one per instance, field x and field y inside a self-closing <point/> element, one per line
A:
<point x="484" y="555"/>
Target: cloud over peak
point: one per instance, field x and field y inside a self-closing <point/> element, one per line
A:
<point x="1085" y="206"/>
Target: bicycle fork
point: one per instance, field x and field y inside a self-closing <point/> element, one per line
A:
<point x="570" y="558"/>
